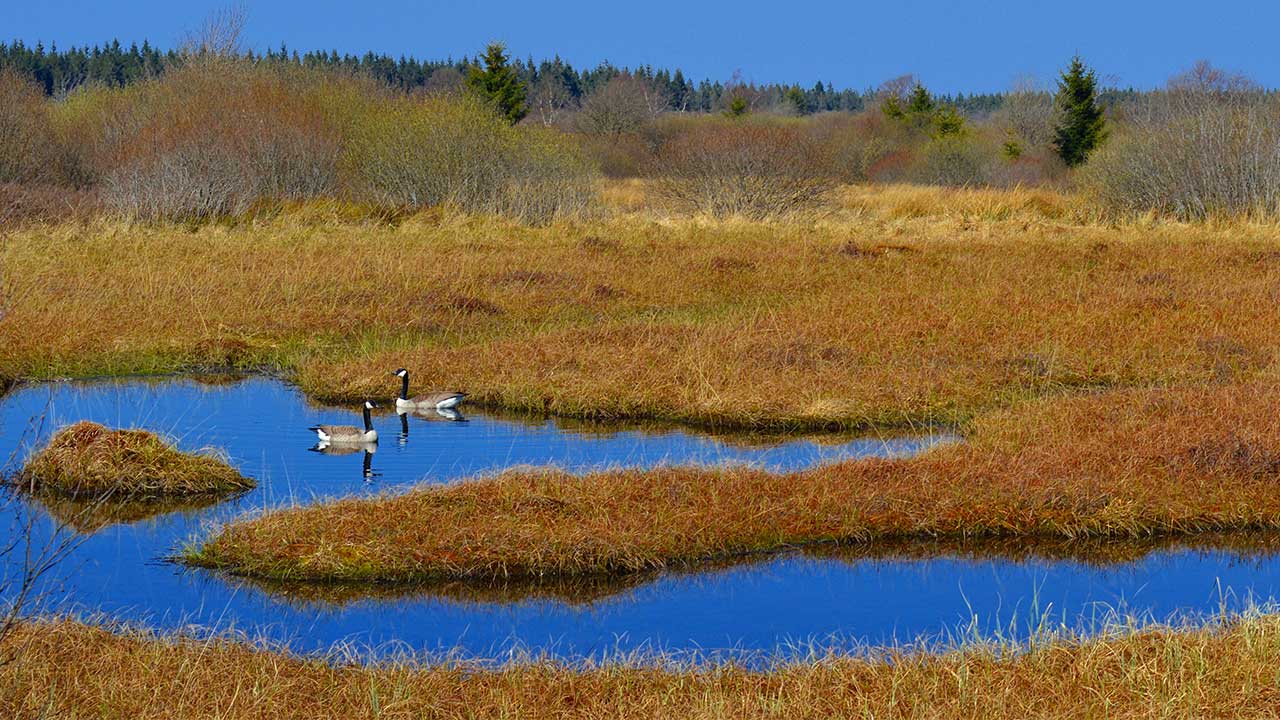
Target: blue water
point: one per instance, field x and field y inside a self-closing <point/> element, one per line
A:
<point x="759" y="605"/>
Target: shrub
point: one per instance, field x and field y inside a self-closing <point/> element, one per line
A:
<point x="214" y="138"/>
<point x="953" y="160"/>
<point x="419" y="152"/>
<point x="24" y="129"/>
<point x="726" y="168"/>
<point x="1191" y="154"/>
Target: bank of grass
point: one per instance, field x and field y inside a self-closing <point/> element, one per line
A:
<point x="866" y="317"/>
<point x="1226" y="670"/>
<point x="88" y="460"/>
<point x="1120" y="465"/>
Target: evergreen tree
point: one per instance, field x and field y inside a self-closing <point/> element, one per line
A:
<point x="737" y="107"/>
<point x="796" y="99"/>
<point x="499" y="83"/>
<point x="1082" y="126"/>
<point x="920" y="103"/>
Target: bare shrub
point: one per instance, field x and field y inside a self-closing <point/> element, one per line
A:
<point x="726" y="168"/>
<point x="455" y="150"/>
<point x="855" y="147"/>
<point x="1208" y="145"/>
<point x="24" y="128"/>
<point x="213" y="139"/>
<point x="954" y="161"/>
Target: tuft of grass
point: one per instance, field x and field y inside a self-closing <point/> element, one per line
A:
<point x="89" y="460"/>
<point x="1126" y="464"/>
<point x="1223" y="669"/>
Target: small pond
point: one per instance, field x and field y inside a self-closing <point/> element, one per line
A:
<point x="828" y="596"/>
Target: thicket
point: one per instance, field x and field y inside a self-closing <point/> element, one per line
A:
<point x="1208" y="145"/>
<point x="221" y="137"/>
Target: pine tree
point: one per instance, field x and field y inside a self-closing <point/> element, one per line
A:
<point x="737" y="107"/>
<point x="499" y="83"/>
<point x="1082" y="126"/>
<point x="920" y="104"/>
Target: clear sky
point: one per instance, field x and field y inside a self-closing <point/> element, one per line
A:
<point x="952" y="46"/>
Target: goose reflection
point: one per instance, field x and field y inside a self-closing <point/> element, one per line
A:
<point x="368" y="449"/>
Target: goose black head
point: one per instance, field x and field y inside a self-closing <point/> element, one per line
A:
<point x="370" y="405"/>
<point x="401" y="373"/>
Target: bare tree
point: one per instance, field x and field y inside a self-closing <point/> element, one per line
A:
<point x="550" y="100"/>
<point x="625" y="104"/>
<point x="1028" y="112"/>
<point x="444" y="81"/>
<point x="220" y="35"/>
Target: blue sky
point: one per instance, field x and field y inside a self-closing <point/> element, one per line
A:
<point x="952" y="46"/>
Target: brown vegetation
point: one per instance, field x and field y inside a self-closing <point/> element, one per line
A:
<point x="72" y="670"/>
<point x="750" y="170"/>
<point x="1126" y="464"/>
<point x="753" y="325"/>
<point x="89" y="460"/>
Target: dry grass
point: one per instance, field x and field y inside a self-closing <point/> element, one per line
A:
<point x="868" y="318"/>
<point x="89" y="460"/>
<point x="69" y="670"/>
<point x="1128" y="464"/>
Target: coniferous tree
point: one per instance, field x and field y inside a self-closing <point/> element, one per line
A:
<point x="1082" y="126"/>
<point x="499" y="83"/>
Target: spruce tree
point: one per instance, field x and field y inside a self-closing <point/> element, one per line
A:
<point x="499" y="83"/>
<point x="1082" y="126"/>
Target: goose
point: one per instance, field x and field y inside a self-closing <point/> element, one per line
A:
<point x="440" y="400"/>
<point x="336" y="434"/>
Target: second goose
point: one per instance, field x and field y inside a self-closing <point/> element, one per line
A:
<point x="440" y="400"/>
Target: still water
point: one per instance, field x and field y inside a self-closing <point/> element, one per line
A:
<point x="770" y="605"/>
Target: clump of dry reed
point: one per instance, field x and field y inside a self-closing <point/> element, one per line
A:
<point x="1216" y="670"/>
<point x="1127" y="464"/>
<point x="89" y="460"/>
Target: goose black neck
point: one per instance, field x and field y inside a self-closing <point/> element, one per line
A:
<point x="368" y="421"/>
<point x="404" y="387"/>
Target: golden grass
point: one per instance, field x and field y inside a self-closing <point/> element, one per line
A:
<point x="867" y="318"/>
<point x="89" y="460"/>
<point x="1121" y="464"/>
<point x="69" y="670"/>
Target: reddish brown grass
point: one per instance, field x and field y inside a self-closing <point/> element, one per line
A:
<point x="69" y="670"/>
<point x="89" y="460"/>
<point x="1123" y="464"/>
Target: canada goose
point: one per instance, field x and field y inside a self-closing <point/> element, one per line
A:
<point x="347" y="433"/>
<point x="441" y="400"/>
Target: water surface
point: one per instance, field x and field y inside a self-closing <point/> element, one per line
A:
<point x="832" y="597"/>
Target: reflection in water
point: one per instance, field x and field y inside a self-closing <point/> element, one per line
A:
<point x="367" y="448"/>
<point x="585" y="590"/>
<point x="89" y="515"/>
<point x="425" y="414"/>
<point x="857" y="594"/>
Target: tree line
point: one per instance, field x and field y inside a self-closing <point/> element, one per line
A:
<point x="113" y="64"/>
